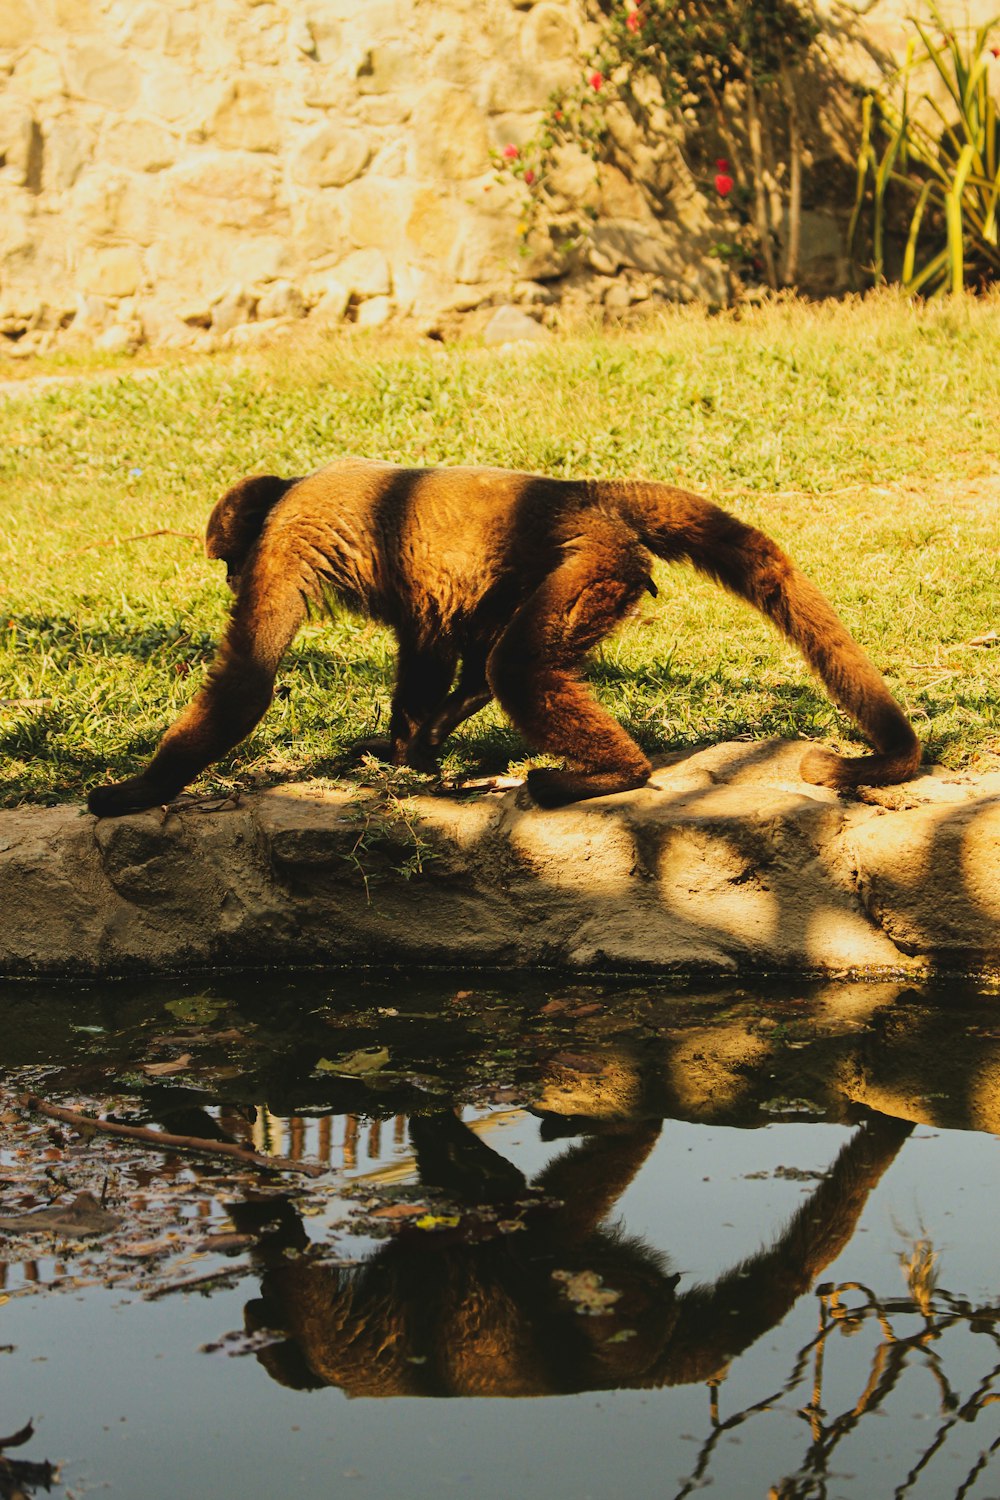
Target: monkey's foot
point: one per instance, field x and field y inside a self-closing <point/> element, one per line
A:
<point x="416" y="755"/>
<point x="552" y="788"/>
<point x="377" y="745"/>
<point x="420" y="757"/>
<point x="134" y="795"/>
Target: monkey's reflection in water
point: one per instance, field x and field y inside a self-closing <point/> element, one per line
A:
<point x="445" y="1314"/>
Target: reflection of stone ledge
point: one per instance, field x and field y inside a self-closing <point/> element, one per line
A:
<point x="726" y="862"/>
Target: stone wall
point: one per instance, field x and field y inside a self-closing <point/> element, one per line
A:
<point x="173" y="169"/>
<point x="168" y="164"/>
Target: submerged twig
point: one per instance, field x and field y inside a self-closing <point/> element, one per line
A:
<point x="163" y="1140"/>
<point x="203" y="1283"/>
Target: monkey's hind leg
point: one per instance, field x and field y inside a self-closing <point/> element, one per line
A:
<point x="534" y="668"/>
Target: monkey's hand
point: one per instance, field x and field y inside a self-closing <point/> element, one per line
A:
<point x="130" y="796"/>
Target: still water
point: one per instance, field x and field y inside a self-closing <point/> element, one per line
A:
<point x="558" y="1240"/>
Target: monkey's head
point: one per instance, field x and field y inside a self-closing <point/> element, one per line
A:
<point x="238" y="519"/>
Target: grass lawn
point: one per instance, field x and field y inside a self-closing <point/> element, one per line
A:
<point x="865" y="437"/>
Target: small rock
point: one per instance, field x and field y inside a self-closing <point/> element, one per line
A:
<point x="332" y="303"/>
<point x="93" y="314"/>
<point x="509" y="325"/>
<point x="618" y="298"/>
<point x="256" y="335"/>
<point x="375" y="311"/>
<point x="234" y="308"/>
<point x="163" y="328"/>
<point x="281" y="300"/>
<point x="534" y="293"/>
<point x="365" y="273"/>
<point x="196" y="316"/>
<point x="121" y="338"/>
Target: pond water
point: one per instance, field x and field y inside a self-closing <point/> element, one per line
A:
<point x="558" y="1239"/>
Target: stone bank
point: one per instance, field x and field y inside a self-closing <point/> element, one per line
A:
<point x="726" y="863"/>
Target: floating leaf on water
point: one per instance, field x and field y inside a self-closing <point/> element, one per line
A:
<point x="145" y="1249"/>
<point x="165" y="1069"/>
<point x="355" y="1064"/>
<point x="77" y="1220"/>
<point x="439" y="1221"/>
<point x="241" y="1342"/>
<point x="587" y="1290"/>
<point x="198" y="1009"/>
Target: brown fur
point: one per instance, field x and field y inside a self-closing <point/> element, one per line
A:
<point x="508" y="579"/>
<point x="475" y="1311"/>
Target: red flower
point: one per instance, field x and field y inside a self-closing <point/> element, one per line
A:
<point x="723" y="184"/>
<point x="557" y="114"/>
<point x="721" y="164"/>
<point x="634" y="21"/>
<point x="511" y="153"/>
<point x="596" y="81"/>
<point x="529" y="176"/>
<point x="995" y="51"/>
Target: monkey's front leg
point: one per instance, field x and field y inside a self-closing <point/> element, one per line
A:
<point x="471" y="694"/>
<point x="231" y="703"/>
<point x="267" y="612"/>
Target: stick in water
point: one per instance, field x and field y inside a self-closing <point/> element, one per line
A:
<point x="162" y="1140"/>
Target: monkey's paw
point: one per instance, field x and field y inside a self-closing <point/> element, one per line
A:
<point x="134" y="795"/>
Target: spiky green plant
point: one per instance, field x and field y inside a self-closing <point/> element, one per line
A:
<point x="935" y="163"/>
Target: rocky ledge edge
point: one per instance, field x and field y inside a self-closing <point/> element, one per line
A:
<point x="726" y="862"/>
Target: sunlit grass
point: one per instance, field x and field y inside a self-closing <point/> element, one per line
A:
<point x="863" y="436"/>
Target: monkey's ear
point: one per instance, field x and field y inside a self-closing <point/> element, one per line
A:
<point x="238" y="519"/>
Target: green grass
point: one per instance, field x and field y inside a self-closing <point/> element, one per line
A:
<point x="862" y="435"/>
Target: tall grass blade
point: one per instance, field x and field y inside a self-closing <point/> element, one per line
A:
<point x="910" y="253"/>
<point x="953" y="219"/>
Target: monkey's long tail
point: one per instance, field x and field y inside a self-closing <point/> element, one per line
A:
<point x="677" y="525"/>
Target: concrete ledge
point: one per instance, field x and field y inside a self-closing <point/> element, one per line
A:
<point x="726" y="863"/>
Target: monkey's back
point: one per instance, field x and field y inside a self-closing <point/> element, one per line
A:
<point x="412" y="545"/>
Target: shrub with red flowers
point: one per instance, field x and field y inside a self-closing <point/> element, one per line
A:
<point x="724" y="184"/>
<point x="726" y="71"/>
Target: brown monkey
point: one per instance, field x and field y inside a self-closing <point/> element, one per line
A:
<point x="509" y="580"/>
<point x="478" y="1311"/>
